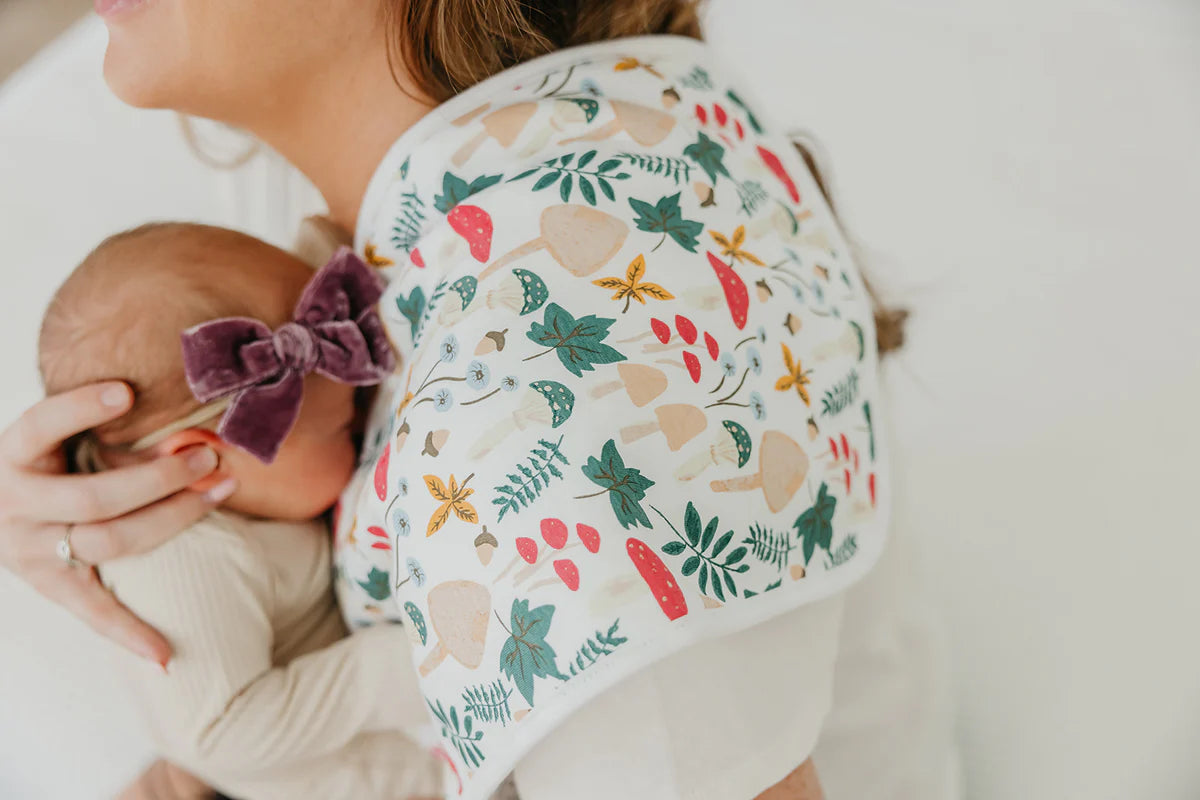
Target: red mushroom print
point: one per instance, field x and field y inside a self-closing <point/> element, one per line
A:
<point x="554" y="531"/>
<point x="475" y="225"/>
<point x="660" y="580"/>
<point x="714" y="349"/>
<point x="720" y="114"/>
<point x="661" y="330"/>
<point x="871" y="486"/>
<point x="589" y="536"/>
<point x="569" y="573"/>
<point x="776" y="166"/>
<point x="381" y="470"/>
<point x="734" y="287"/>
<point x="417" y="259"/>
<point x="527" y="548"/>
<point x="686" y="328"/>
<point x="693" y="366"/>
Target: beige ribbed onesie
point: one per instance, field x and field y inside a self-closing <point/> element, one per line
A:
<point x="265" y="696"/>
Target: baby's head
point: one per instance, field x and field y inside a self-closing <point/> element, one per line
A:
<point x="119" y="316"/>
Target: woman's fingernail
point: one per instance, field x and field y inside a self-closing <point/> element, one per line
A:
<point x="221" y="491"/>
<point x="115" y="396"/>
<point x="202" y="461"/>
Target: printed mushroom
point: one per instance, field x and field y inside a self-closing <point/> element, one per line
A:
<point x="381" y="470"/>
<point x="736" y="294"/>
<point x="475" y="225"/>
<point x="504" y="125"/>
<point x="850" y="342"/>
<point x="485" y="546"/>
<point x="662" y="583"/>
<point x="646" y="126"/>
<point x="567" y="112"/>
<point x="417" y="631"/>
<point x="782" y="467"/>
<point x="580" y="238"/>
<point x="458" y="614"/>
<point x="679" y="422"/>
<point x="779" y="171"/>
<point x="543" y="403"/>
<point x="641" y="382"/>
<point x="520" y="290"/>
<point x="461" y="295"/>
<point x="733" y="446"/>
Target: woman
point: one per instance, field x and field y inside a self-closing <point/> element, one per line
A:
<point x="332" y="86"/>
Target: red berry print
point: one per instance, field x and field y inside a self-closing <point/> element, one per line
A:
<point x="527" y="548"/>
<point x="693" y="366"/>
<point x="737" y="126"/>
<point x="415" y="255"/>
<point x="720" y="114"/>
<point x="381" y="535"/>
<point x="589" y="536"/>
<point x="661" y="330"/>
<point x="554" y="531"/>
<point x="686" y="329"/>
<point x="714" y="349"/>
<point x="569" y="573"/>
<point x="701" y="114"/>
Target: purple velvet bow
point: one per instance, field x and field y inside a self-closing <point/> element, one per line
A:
<point x="335" y="331"/>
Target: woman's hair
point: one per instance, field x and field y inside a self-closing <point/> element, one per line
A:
<point x="447" y="46"/>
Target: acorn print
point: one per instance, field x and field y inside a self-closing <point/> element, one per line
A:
<point x="485" y="546"/>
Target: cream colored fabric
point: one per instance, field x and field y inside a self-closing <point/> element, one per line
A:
<point x="266" y="697"/>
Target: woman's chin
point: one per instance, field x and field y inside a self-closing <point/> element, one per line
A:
<point x="135" y="84"/>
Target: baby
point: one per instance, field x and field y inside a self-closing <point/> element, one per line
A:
<point x="232" y="344"/>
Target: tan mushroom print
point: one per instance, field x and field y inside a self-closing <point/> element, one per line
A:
<point x="637" y="405"/>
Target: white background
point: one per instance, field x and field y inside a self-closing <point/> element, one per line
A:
<point x="1029" y="172"/>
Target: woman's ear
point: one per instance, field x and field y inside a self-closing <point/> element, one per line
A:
<point x="197" y="437"/>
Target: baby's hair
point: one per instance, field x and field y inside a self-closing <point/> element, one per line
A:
<point x="119" y="315"/>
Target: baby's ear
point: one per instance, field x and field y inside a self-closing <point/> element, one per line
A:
<point x="197" y="437"/>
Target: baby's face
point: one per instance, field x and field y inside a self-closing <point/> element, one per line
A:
<point x="314" y="463"/>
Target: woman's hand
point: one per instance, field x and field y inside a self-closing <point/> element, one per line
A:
<point x="109" y="515"/>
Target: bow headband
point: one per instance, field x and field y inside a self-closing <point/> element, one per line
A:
<point x="335" y="331"/>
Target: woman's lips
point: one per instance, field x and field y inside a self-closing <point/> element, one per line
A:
<point x="114" y="8"/>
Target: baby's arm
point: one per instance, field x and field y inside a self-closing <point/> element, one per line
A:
<point x="225" y="712"/>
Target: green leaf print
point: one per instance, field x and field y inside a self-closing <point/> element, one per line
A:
<point x="570" y="176"/>
<point x="488" y="702"/>
<point x="377" y="585"/>
<point x="601" y="644"/>
<point x="463" y="737"/>
<point x="665" y="217"/>
<point x="870" y="430"/>
<point x="455" y="190"/>
<point x="676" y="169"/>
<point x="626" y="487"/>
<point x="526" y="654"/>
<point x="709" y="155"/>
<point x="526" y="483"/>
<point x="578" y="342"/>
<point x="413" y="309"/>
<point x="409" y="222"/>
<point x="737" y="101"/>
<point x="715" y="572"/>
<point x="841" y="396"/>
<point x="815" y="525"/>
<point x="770" y="546"/>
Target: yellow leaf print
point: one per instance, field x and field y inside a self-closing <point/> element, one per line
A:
<point x="453" y="499"/>
<point x="732" y="247"/>
<point x="633" y="287"/>
<point x="797" y="376"/>
<point x="374" y="259"/>
<point x="626" y="64"/>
